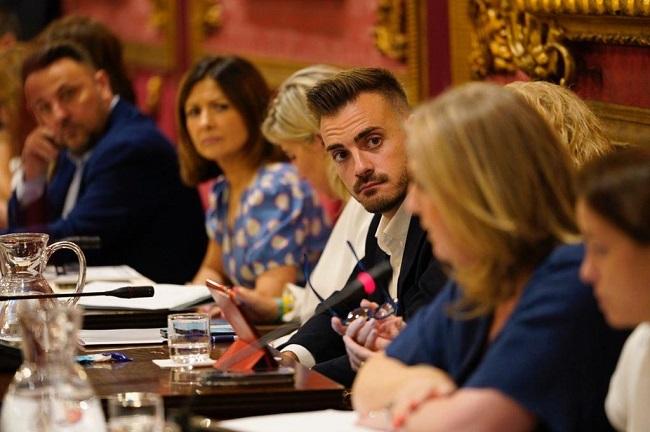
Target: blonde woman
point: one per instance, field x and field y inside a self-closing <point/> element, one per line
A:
<point x="577" y="126"/>
<point x="290" y="124"/>
<point x="515" y="341"/>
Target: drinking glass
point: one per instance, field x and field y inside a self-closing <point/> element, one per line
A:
<point x="135" y="412"/>
<point x="188" y="337"/>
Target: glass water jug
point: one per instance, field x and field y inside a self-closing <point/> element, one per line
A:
<point x="23" y="258"/>
<point x="50" y="391"/>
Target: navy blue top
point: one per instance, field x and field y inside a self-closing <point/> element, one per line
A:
<point x="554" y="356"/>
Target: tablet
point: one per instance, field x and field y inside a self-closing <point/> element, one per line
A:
<point x="224" y="298"/>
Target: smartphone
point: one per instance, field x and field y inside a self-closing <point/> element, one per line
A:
<point x="218" y="286"/>
<point x="279" y="376"/>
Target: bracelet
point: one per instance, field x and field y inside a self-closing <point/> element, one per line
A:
<point x="280" y="305"/>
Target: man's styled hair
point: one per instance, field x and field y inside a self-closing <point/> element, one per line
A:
<point x="49" y="53"/>
<point x="330" y="95"/>
<point x="103" y="46"/>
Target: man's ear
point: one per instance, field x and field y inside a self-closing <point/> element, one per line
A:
<point x="104" y="84"/>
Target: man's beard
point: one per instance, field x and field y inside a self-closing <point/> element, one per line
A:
<point x="84" y="143"/>
<point x="381" y="204"/>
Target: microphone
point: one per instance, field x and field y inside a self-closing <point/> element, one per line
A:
<point x="363" y="285"/>
<point x="126" y="292"/>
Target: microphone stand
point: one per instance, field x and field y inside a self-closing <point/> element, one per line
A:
<point x="126" y="292"/>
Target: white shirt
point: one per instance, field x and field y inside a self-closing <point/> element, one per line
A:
<point x="391" y="239"/>
<point x="628" y="400"/>
<point x="334" y="267"/>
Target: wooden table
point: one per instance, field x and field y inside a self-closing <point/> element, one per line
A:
<point x="182" y="390"/>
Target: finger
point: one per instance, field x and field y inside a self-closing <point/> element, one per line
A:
<point x="369" y="304"/>
<point x="381" y="343"/>
<point x="364" y="331"/>
<point x="408" y="401"/>
<point x="354" y="326"/>
<point x="359" y="353"/>
<point x="355" y="360"/>
<point x="337" y="326"/>
<point x="205" y="308"/>
<point x="371" y="341"/>
<point x="215" y="312"/>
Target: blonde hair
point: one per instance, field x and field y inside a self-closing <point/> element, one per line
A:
<point x="502" y="182"/>
<point x="289" y="118"/>
<point x="578" y="127"/>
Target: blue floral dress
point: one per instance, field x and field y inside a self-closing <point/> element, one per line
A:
<point x="278" y="222"/>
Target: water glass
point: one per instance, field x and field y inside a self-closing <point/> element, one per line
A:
<point x="188" y="337"/>
<point x="135" y="412"/>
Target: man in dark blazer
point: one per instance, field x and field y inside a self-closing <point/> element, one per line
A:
<point x="361" y="114"/>
<point x="95" y="166"/>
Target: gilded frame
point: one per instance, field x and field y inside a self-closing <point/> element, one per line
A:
<point x="407" y="44"/>
<point x="531" y="35"/>
<point x="161" y="57"/>
<point x="502" y="36"/>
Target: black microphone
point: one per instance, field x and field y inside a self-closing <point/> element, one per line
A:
<point x="126" y="292"/>
<point x="364" y="284"/>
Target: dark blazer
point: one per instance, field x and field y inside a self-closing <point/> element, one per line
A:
<point x="420" y="280"/>
<point x="131" y="197"/>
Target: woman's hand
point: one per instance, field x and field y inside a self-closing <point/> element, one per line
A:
<point x="432" y="383"/>
<point x="257" y="307"/>
<point x="211" y="309"/>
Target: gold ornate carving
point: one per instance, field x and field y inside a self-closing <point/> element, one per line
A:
<point x="161" y="14"/>
<point x="390" y="31"/>
<point x="153" y="95"/>
<point x="507" y="39"/>
<point x="211" y="12"/>
<point x="490" y="50"/>
<point x="630" y="8"/>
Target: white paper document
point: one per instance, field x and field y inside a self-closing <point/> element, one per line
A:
<point x="120" y="337"/>
<point x="169" y="363"/>
<point x="165" y="297"/>
<point x="314" y="421"/>
<point x="122" y="273"/>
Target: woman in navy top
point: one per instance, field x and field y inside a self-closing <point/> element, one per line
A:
<point x="515" y="341"/>
<point x="263" y="219"/>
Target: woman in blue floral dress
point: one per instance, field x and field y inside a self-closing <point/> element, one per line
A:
<point x="263" y="220"/>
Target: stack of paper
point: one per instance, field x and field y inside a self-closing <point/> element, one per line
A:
<point x="173" y="297"/>
<point x="123" y="274"/>
<point x="316" y="421"/>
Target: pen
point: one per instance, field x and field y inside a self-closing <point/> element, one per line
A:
<point x="223" y="338"/>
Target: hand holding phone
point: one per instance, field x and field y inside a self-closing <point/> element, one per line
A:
<point x="219" y="287"/>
